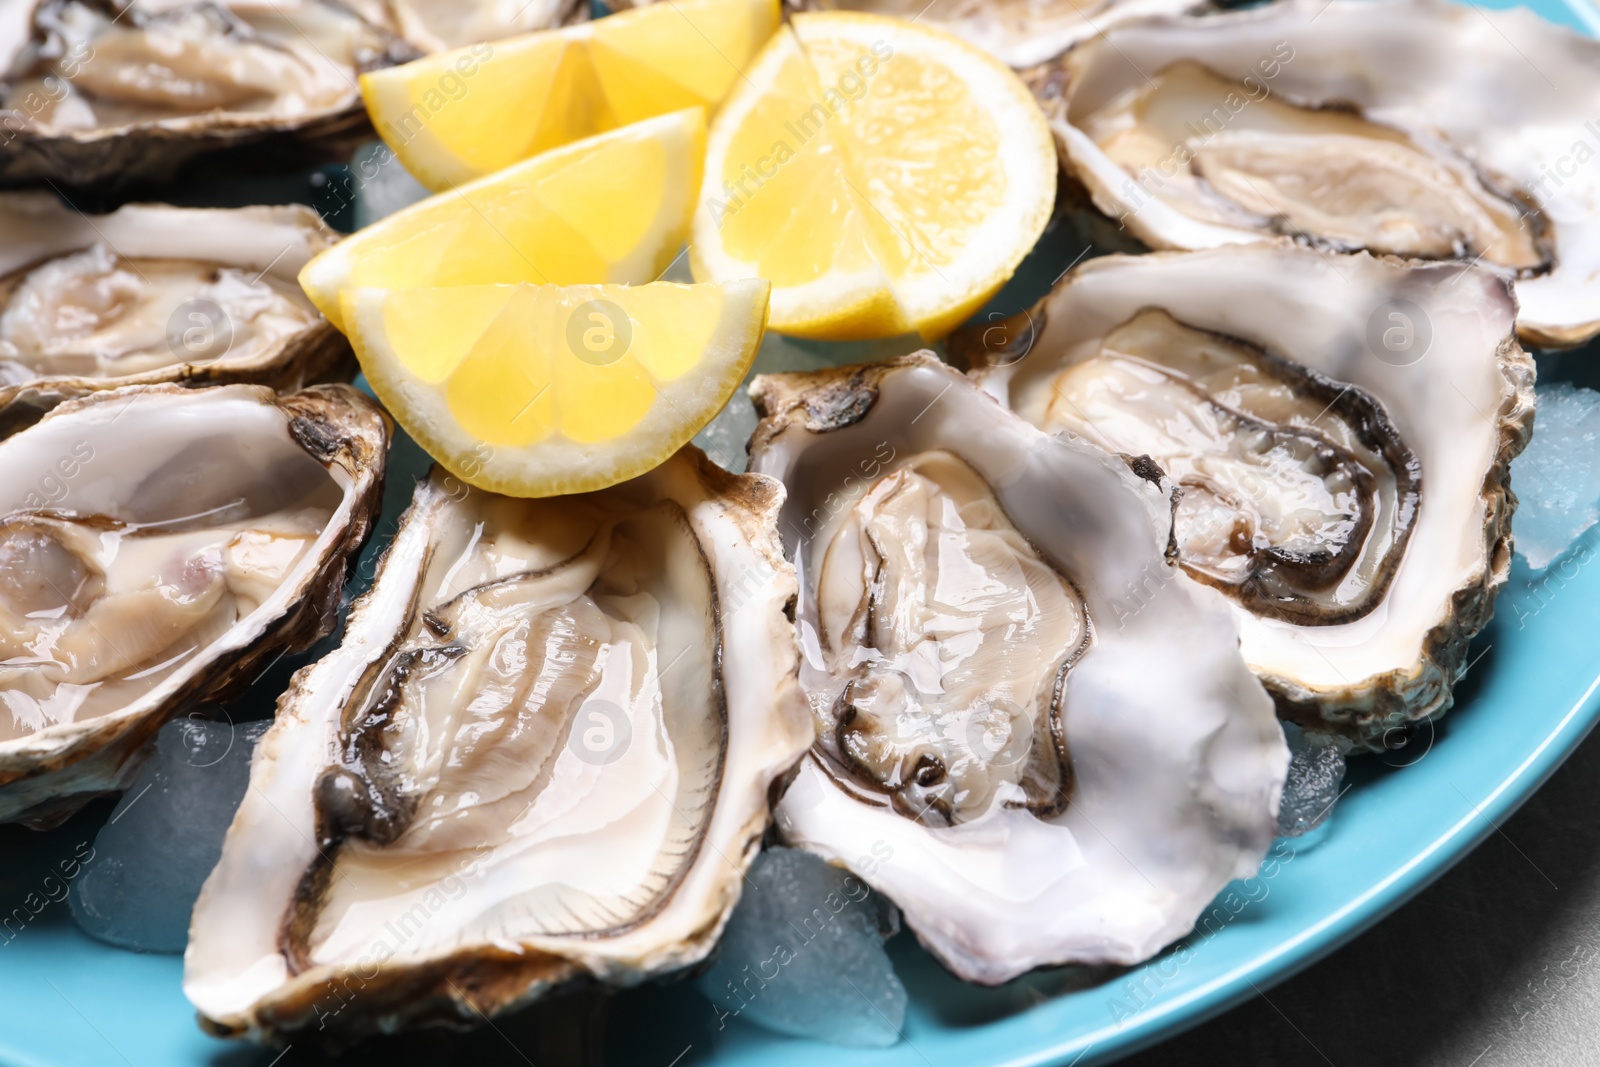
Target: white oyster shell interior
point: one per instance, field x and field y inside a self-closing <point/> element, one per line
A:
<point x="96" y="612"/>
<point x="149" y="537"/>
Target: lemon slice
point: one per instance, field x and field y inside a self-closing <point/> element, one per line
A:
<point x="455" y="116"/>
<point x="535" y="390"/>
<point x="612" y="208"/>
<point x="885" y="175"/>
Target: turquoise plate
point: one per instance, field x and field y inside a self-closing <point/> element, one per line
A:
<point x="68" y="1001"/>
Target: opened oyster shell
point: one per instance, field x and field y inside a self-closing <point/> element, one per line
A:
<point x="151" y="294"/>
<point x="107" y="94"/>
<point x="437" y="25"/>
<point x="1033" y="733"/>
<point x="1020" y="33"/>
<point x="1411" y="127"/>
<point x="543" y="751"/>
<point x="1343" y="429"/>
<point x="158" y="546"/>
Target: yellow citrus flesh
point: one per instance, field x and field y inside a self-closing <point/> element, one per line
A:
<point x="536" y="390"/>
<point x="884" y="175"/>
<point x="455" y="116"/>
<point x="612" y="208"/>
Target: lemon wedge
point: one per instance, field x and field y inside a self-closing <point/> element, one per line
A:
<point x="612" y="208"/>
<point x="535" y="390"/>
<point x="885" y="175"/>
<point x="455" y="116"/>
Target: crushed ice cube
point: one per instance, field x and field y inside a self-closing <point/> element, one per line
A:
<point x="803" y="955"/>
<point x="724" y="437"/>
<point x="154" y="853"/>
<point x="1557" y="478"/>
<point x="1316" y="771"/>
<point x="382" y="183"/>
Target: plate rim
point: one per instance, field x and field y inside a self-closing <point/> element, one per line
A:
<point x="1164" y="1020"/>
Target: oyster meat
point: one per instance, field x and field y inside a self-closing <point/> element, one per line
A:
<point x="1033" y="733"/>
<point x="1342" y="428"/>
<point x="926" y="571"/>
<point x="107" y="94"/>
<point x="158" y="546"/>
<point x="1415" y="128"/>
<point x="151" y="294"/>
<point x="542" y="751"/>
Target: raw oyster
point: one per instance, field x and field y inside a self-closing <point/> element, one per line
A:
<point x="1020" y="33"/>
<point x="152" y="294"/>
<point x="1343" y="429"/>
<point x="437" y="25"/>
<point x="107" y="94"/>
<point x="158" y="546"/>
<point x="1416" y="128"/>
<point x="1034" y="734"/>
<point x="543" y="751"/>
